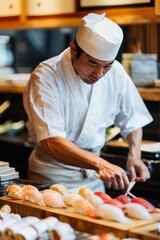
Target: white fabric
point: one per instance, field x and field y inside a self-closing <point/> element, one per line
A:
<point x="99" y="37"/>
<point x="57" y="108"/>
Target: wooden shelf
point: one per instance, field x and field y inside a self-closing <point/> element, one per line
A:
<point x="123" y="16"/>
<point x="12" y="88"/>
<point x="150" y="94"/>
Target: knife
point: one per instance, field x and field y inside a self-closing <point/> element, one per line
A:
<point x="130" y="186"/>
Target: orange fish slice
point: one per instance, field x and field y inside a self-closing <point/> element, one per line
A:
<point x="84" y="207"/>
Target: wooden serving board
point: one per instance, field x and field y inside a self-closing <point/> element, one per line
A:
<point x="147" y="232"/>
<point x="77" y="221"/>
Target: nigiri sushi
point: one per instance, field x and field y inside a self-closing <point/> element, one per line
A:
<point x="137" y="211"/>
<point x="123" y="199"/>
<point x="85" y="192"/>
<point x="149" y="206"/>
<point x="60" y="189"/>
<point x="108" y="200"/>
<point x="84" y="207"/>
<point x="28" y="187"/>
<point x="34" y="196"/>
<point x="111" y="212"/>
<point x="71" y="198"/>
<point x="53" y="199"/>
<point x="95" y="200"/>
<point x="15" y="191"/>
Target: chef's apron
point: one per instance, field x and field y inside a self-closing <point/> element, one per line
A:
<point x="44" y="169"/>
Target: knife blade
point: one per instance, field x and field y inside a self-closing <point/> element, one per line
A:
<point x="130" y="186"/>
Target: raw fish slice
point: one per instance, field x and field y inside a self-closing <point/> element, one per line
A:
<point x="62" y="231"/>
<point x="61" y="189"/>
<point x="71" y="198"/>
<point x="108" y="200"/>
<point x="84" y="207"/>
<point x="123" y="199"/>
<point x="28" y="187"/>
<point x="53" y="199"/>
<point x="111" y="212"/>
<point x="137" y="211"/>
<point x="95" y="200"/>
<point x="15" y="191"/>
<point x="145" y="203"/>
<point x="34" y="196"/>
<point x="103" y="195"/>
<point x="85" y="192"/>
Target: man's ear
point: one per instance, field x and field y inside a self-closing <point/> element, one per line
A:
<point x="73" y="49"/>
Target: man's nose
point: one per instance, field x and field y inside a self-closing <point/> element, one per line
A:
<point x="99" y="72"/>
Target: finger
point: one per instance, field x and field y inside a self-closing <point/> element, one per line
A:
<point x="108" y="184"/>
<point x="132" y="173"/>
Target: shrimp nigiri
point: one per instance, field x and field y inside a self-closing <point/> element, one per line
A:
<point x="53" y="199"/>
<point x="84" y="207"/>
<point x="137" y="211"/>
<point x="15" y="191"/>
<point x="34" y="196"/>
<point x="111" y="212"/>
<point x="28" y="187"/>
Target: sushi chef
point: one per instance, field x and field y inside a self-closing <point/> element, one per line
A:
<point x="71" y="99"/>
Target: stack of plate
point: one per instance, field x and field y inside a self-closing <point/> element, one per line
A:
<point x="142" y="68"/>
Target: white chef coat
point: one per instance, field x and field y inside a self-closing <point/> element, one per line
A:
<point x="59" y="104"/>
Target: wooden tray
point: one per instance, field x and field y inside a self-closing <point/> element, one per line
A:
<point x="147" y="232"/>
<point x="77" y="221"/>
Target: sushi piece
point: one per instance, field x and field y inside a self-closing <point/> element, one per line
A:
<point x="84" y="207"/>
<point x="108" y="200"/>
<point x="137" y="211"/>
<point x="103" y="195"/>
<point x="145" y="203"/>
<point x="95" y="200"/>
<point x="53" y="199"/>
<point x="27" y="233"/>
<point x="5" y="208"/>
<point x="15" y="191"/>
<point x="85" y="192"/>
<point x="60" y="189"/>
<point x="38" y="230"/>
<point x="71" y="198"/>
<point x="111" y="212"/>
<point x="123" y="199"/>
<point x="4" y="224"/>
<point x="62" y="231"/>
<point x="34" y="196"/>
<point x="28" y="187"/>
<point x="11" y="230"/>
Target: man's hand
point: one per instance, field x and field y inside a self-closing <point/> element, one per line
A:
<point x="137" y="169"/>
<point x="113" y="176"/>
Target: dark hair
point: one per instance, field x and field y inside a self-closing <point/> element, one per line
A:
<point x="79" y="50"/>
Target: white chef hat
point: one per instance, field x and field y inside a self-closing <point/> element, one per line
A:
<point x="99" y="37"/>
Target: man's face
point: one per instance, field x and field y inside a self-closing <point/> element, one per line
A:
<point x="88" y="68"/>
